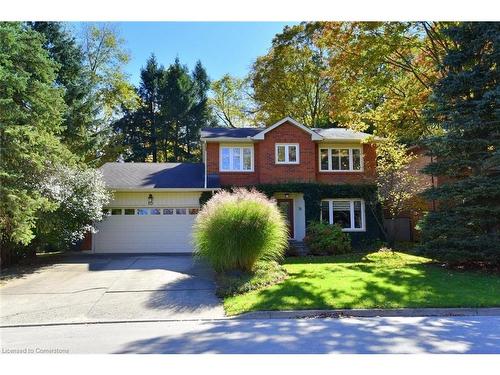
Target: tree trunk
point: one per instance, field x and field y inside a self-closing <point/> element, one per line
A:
<point x="391" y="239"/>
<point x="154" y="148"/>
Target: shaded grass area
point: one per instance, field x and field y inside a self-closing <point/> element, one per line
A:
<point x="29" y="265"/>
<point x="264" y="274"/>
<point x="382" y="279"/>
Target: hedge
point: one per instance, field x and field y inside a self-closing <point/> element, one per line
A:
<point x="315" y="192"/>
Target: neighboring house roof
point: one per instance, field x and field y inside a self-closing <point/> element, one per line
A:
<point x="340" y="134"/>
<point x="139" y="176"/>
<point x="317" y="134"/>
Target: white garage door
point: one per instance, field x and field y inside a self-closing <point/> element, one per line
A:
<point x="146" y="230"/>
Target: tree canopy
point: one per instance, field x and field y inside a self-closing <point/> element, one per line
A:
<point x="173" y="108"/>
<point x="290" y="81"/>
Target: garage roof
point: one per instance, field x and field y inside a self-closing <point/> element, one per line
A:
<point x="130" y="176"/>
<point x="208" y="133"/>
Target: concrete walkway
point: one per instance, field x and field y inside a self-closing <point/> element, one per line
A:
<point x="451" y="335"/>
<point x="90" y="288"/>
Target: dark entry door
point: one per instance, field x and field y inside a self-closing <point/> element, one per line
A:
<point x="286" y="207"/>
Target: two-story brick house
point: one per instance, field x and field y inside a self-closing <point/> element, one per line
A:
<point x="314" y="174"/>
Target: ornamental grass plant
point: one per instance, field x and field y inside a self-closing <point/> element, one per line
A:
<point x="236" y="229"/>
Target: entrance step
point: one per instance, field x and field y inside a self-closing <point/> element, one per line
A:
<point x="297" y="248"/>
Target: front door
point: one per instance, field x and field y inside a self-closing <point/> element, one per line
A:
<point x="286" y="207"/>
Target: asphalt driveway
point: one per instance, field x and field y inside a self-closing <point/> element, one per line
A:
<point x="93" y="288"/>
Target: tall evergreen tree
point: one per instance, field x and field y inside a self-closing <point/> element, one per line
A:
<point x="177" y="101"/>
<point x="466" y="102"/>
<point x="72" y="76"/>
<point x="200" y="114"/>
<point x="149" y="91"/>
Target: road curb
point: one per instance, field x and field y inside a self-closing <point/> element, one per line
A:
<point x="370" y="313"/>
<point x="297" y="314"/>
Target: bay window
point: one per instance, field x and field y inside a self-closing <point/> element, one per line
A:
<point x="348" y="213"/>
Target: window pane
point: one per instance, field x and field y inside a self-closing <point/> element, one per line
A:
<point x="194" y="211"/>
<point x="357" y="215"/>
<point x="342" y="213"/>
<point x="325" y="212"/>
<point x="356" y="159"/>
<point x="168" y="211"/>
<point x="155" y="211"/>
<point x="225" y="159"/>
<point x="324" y="159"/>
<point x="237" y="159"/>
<point x="281" y="154"/>
<point x="247" y="159"/>
<point x="292" y="154"/>
<point x="344" y="159"/>
<point x="180" y="211"/>
<point x="142" y="211"/>
<point x="335" y="159"/>
<point x="129" y="211"/>
<point x="106" y="211"/>
<point x="116" y="211"/>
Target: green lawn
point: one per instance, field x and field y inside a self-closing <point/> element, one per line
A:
<point x="377" y="280"/>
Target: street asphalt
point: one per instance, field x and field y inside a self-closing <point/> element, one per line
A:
<point x="390" y="335"/>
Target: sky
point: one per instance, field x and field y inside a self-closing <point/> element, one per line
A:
<point x="222" y="47"/>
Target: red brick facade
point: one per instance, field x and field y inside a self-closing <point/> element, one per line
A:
<point x="266" y="171"/>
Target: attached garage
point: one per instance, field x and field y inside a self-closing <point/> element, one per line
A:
<point x="149" y="212"/>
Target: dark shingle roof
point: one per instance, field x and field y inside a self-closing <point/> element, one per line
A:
<point x="229" y="132"/>
<point x="156" y="175"/>
<point x="328" y="134"/>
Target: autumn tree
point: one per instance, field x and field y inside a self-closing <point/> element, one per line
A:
<point x="290" y="81"/>
<point x="397" y="186"/>
<point x="383" y="74"/>
<point x="104" y="60"/>
<point x="232" y="103"/>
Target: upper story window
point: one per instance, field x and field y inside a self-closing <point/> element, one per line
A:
<point x="236" y="159"/>
<point x="287" y="153"/>
<point x="340" y="159"/>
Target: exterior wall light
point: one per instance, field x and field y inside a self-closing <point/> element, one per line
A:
<point x="150" y="199"/>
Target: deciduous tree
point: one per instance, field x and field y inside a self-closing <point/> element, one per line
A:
<point x="290" y="81"/>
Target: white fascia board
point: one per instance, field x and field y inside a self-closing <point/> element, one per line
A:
<point x="314" y="136"/>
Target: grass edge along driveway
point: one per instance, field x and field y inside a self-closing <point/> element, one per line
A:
<point x="382" y="279"/>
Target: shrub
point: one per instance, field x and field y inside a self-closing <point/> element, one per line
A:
<point x="326" y="239"/>
<point x="235" y="230"/>
<point x="263" y="275"/>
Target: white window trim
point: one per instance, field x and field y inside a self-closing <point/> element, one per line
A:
<point x="351" y="212"/>
<point x="287" y="153"/>
<point x="351" y="163"/>
<point x="231" y="159"/>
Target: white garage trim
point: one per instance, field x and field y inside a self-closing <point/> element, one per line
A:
<point x="165" y="226"/>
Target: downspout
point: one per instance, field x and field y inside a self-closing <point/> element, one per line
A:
<point x="205" y="160"/>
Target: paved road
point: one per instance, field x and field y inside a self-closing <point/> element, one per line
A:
<point x="353" y="335"/>
<point x="86" y="288"/>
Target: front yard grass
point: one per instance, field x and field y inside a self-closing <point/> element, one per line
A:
<point x="382" y="279"/>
